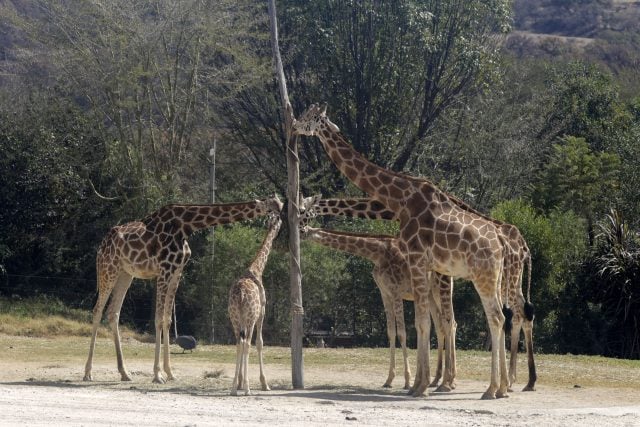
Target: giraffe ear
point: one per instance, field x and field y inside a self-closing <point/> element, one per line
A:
<point x="323" y="109"/>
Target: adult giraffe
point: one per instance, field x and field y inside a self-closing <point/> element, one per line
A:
<point x="435" y="235"/>
<point x="391" y="275"/>
<point x="156" y="247"/>
<point x="518" y="256"/>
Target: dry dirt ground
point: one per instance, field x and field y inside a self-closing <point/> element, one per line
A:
<point x="39" y="391"/>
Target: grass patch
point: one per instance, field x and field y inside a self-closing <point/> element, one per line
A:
<point x="564" y="371"/>
<point x="44" y="316"/>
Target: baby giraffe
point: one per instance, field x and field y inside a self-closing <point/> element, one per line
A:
<point x="246" y="310"/>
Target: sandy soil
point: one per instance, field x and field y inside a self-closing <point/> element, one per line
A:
<point x="33" y="393"/>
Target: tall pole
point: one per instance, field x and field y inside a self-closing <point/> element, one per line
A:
<point x="212" y="187"/>
<point x="293" y="184"/>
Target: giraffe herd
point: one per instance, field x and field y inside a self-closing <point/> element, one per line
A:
<point x="440" y="238"/>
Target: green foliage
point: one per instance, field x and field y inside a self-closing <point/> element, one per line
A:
<point x="577" y="179"/>
<point x="604" y="296"/>
<point x="387" y="69"/>
<point x="586" y="105"/>
<point x="50" y="150"/>
<point x="557" y="243"/>
<point x="41" y="306"/>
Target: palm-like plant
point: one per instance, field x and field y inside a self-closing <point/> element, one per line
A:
<point x="618" y="263"/>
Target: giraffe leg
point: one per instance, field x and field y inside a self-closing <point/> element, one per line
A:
<point x="528" y="340"/>
<point x="391" y="334"/>
<point x="259" y="343"/>
<point x="450" y="326"/>
<point x="515" y="340"/>
<point x="105" y="286"/>
<point x="113" y="314"/>
<point x="245" y="364"/>
<point x="495" y="318"/>
<point x="451" y="359"/>
<point x="166" y="321"/>
<point x="236" y="378"/>
<point x="160" y="297"/>
<point x="420" y="287"/>
<point x="444" y="351"/>
<point x="402" y="337"/>
<point x="504" y="372"/>
<point x="436" y="317"/>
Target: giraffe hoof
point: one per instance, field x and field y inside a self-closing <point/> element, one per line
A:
<point x="443" y="388"/>
<point x="386" y="385"/>
<point x="87" y="378"/>
<point x="529" y="388"/>
<point x="487" y="395"/>
<point x="234" y="392"/>
<point x="158" y="380"/>
<point x="434" y="383"/>
<point x="419" y="394"/>
<point x="125" y="377"/>
<point x="266" y="388"/>
<point x="501" y="395"/>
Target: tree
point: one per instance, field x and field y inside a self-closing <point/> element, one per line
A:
<point x="49" y="229"/>
<point x="586" y="105"/>
<point x="607" y="293"/>
<point x="388" y="70"/>
<point x="149" y="68"/>
<point x="577" y="179"/>
<point x="557" y="241"/>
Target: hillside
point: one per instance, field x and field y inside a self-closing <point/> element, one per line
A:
<point x="603" y="31"/>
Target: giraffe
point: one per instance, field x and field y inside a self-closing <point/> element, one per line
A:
<point x="392" y="278"/>
<point x="246" y="309"/>
<point x="156" y="247"/>
<point x="391" y="275"/>
<point x="435" y="234"/>
<point x="518" y="256"/>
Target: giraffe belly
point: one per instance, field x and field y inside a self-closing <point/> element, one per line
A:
<point x="144" y="270"/>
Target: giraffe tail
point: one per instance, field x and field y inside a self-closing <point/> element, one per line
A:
<point x="243" y="334"/>
<point x="529" y="310"/>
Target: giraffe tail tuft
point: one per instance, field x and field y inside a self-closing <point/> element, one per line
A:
<point x="529" y="311"/>
<point x="508" y="317"/>
<point x="243" y="334"/>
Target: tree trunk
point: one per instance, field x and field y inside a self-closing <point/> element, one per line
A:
<point x="293" y="184"/>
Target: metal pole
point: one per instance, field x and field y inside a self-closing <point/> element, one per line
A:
<point x="212" y="185"/>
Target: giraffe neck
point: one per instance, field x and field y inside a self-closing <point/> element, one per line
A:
<point x="355" y="208"/>
<point x="379" y="183"/>
<point x="260" y="261"/>
<point x="372" y="247"/>
<point x="187" y="219"/>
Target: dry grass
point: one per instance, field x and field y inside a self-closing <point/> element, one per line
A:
<point x="553" y="370"/>
<point x="28" y="333"/>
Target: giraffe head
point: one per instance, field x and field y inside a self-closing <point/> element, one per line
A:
<point x="307" y="210"/>
<point x="269" y="205"/>
<point x="313" y="120"/>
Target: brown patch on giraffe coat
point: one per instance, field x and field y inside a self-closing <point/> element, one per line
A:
<point x="375" y="182"/>
<point x="136" y="244"/>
